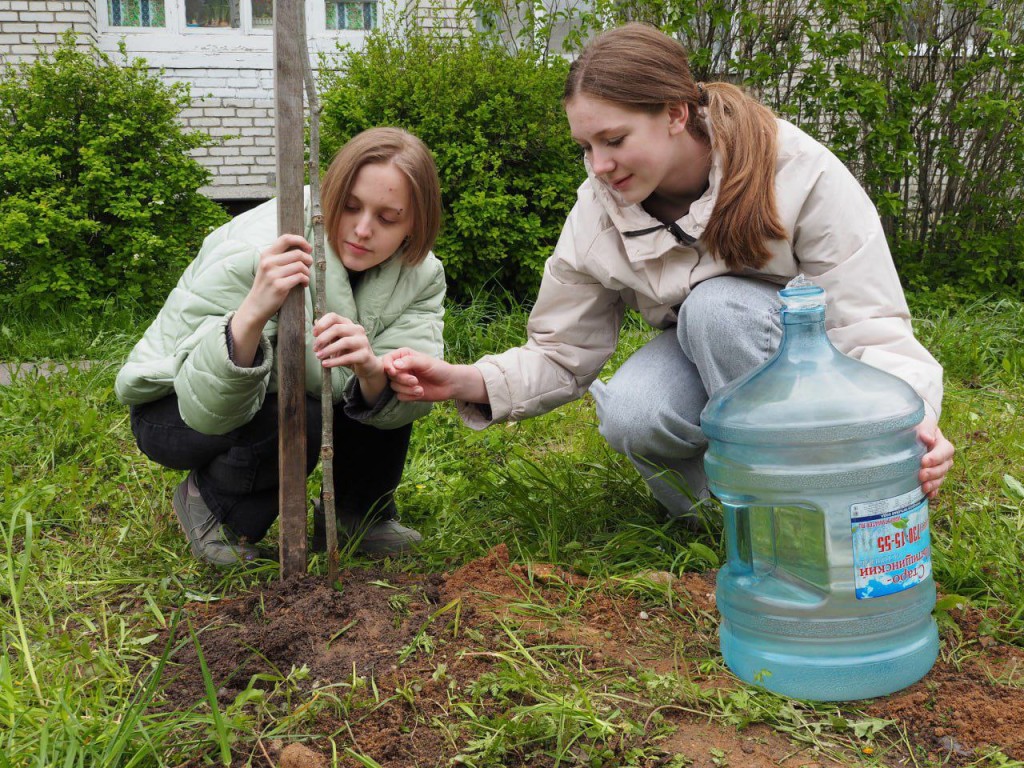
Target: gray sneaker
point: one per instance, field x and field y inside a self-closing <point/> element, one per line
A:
<point x="209" y="540"/>
<point x="383" y="537"/>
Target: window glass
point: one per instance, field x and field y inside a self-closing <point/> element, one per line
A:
<point x="351" y="15"/>
<point x="136" y="13"/>
<point x="212" y="13"/>
<point x="262" y="13"/>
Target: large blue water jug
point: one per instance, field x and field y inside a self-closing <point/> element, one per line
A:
<point x="827" y="590"/>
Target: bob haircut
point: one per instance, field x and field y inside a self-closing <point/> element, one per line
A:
<point x="413" y="159"/>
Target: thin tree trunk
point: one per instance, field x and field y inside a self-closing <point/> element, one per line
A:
<point x="320" y="257"/>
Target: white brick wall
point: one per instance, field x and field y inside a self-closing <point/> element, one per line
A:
<point x="27" y="25"/>
<point x="243" y="165"/>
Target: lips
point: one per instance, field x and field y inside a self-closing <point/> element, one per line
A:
<point x="623" y="182"/>
<point x="355" y="248"/>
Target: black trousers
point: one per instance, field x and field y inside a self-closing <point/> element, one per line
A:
<point x="237" y="473"/>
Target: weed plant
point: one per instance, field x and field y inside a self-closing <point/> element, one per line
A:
<point x="94" y="570"/>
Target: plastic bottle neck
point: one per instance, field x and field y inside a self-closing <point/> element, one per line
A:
<point x="803" y="334"/>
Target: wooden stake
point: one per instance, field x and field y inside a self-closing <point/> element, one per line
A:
<point x="289" y="37"/>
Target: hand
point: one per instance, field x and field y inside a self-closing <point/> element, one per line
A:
<point x="339" y="341"/>
<point x="283" y="266"/>
<point x="939" y="458"/>
<point x="420" y="377"/>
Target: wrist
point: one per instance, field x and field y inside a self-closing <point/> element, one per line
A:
<point x="246" y="321"/>
<point x="372" y="383"/>
<point x="470" y="385"/>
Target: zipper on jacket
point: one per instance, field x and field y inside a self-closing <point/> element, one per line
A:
<point x="673" y="228"/>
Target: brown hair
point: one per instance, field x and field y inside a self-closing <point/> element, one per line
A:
<point x="638" y="67"/>
<point x="412" y="158"/>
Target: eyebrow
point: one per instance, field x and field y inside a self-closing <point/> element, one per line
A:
<point x="602" y="133"/>
<point x="399" y="211"/>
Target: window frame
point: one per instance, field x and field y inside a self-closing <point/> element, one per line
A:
<point x="175" y="24"/>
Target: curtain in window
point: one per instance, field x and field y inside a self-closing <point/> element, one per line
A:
<point x="351" y="15"/>
<point x="136" y="13"/>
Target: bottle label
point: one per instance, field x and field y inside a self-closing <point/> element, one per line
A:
<point x="891" y="544"/>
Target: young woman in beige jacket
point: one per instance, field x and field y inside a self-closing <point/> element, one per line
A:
<point x="699" y="205"/>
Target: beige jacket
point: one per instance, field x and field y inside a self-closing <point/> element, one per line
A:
<point x="835" y="238"/>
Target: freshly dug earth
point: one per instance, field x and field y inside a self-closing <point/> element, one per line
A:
<point x="411" y="670"/>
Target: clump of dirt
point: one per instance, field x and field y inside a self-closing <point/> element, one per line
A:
<point x="401" y="646"/>
<point x="971" y="703"/>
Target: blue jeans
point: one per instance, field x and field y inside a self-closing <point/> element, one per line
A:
<point x="650" y="409"/>
<point x="237" y="473"/>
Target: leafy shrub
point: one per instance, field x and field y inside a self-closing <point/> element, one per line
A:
<point x="98" y="196"/>
<point x="492" y="118"/>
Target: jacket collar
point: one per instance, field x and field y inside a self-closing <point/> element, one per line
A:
<point x="643" y="236"/>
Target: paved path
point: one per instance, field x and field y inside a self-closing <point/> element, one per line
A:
<point x="11" y="371"/>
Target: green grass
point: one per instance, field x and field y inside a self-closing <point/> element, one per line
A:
<point x="93" y="567"/>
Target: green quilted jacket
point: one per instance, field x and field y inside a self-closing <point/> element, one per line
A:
<point x="184" y="350"/>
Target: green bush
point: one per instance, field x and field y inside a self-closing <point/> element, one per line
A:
<point x="493" y="119"/>
<point x="98" y="196"/>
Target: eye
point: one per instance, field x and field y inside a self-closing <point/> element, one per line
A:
<point x="385" y="220"/>
<point x="617" y="141"/>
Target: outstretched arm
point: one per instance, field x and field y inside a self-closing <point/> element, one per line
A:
<point x="419" y="377"/>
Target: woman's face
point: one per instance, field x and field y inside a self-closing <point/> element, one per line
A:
<point x="632" y="152"/>
<point x="376" y="217"/>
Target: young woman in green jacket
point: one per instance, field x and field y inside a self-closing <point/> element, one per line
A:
<point x="202" y="382"/>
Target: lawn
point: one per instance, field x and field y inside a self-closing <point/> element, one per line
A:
<point x="550" y="617"/>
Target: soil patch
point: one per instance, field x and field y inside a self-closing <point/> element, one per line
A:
<point x="414" y="670"/>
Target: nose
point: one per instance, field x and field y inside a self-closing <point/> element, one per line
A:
<point x="363" y="229"/>
<point x="601" y="162"/>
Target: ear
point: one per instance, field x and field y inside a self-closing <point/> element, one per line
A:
<point x="678" y="116"/>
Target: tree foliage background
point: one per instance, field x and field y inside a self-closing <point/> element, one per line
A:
<point x="98" y="195"/>
<point x="921" y="99"/>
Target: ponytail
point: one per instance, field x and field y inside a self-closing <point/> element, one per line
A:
<point x="745" y="216"/>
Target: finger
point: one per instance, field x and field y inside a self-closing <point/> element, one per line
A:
<point x="344" y="344"/>
<point x="326" y="321"/>
<point x="269" y="259"/>
<point x="285" y="279"/>
<point x="284" y="283"/>
<point x="403" y="357"/>
<point x="339" y="338"/>
<point x="289" y="241"/>
<point x="404" y="380"/>
<point x="939" y="455"/>
<point x="413" y="396"/>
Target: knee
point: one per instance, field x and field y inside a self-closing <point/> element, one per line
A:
<point x="714" y="309"/>
<point x="724" y="316"/>
<point x="623" y="413"/>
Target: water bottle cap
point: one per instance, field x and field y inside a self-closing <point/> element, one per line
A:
<point x="801" y="294"/>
